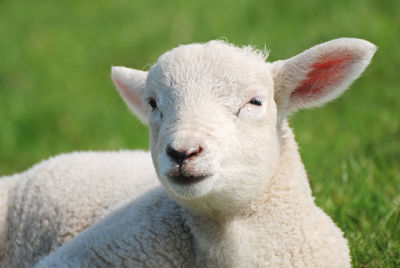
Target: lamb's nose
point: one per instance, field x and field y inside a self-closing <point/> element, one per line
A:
<point x="179" y="156"/>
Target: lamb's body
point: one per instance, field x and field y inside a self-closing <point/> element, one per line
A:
<point x="284" y="228"/>
<point x="47" y="205"/>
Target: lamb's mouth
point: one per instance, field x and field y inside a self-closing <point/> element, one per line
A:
<point x="186" y="180"/>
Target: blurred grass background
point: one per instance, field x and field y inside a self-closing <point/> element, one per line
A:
<point x="56" y="94"/>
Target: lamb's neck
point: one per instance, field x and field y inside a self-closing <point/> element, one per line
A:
<point x="290" y="179"/>
<point x="226" y="239"/>
<point x="289" y="187"/>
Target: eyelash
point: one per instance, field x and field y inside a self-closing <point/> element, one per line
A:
<point x="152" y="102"/>
<point x="256" y="101"/>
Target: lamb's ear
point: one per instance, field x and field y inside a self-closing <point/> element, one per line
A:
<point x="319" y="74"/>
<point x="131" y="85"/>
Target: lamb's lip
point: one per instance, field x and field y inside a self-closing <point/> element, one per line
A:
<point x="186" y="180"/>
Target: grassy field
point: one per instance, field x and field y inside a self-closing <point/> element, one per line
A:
<point x="56" y="94"/>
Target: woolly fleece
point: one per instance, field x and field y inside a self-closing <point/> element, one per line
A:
<point x="47" y="205"/>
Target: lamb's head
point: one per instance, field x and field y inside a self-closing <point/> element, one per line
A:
<point x="214" y="112"/>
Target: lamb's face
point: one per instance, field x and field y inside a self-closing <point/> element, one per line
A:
<point x="212" y="124"/>
<point x="213" y="108"/>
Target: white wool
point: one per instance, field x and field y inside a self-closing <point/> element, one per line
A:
<point x="47" y="205"/>
<point x="235" y="192"/>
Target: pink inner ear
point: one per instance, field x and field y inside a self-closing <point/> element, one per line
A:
<point x="128" y="94"/>
<point x="327" y="73"/>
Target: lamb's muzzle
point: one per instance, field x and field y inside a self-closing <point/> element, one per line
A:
<point x="183" y="171"/>
<point x="182" y="155"/>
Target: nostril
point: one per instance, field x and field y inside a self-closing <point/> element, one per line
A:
<point x="177" y="156"/>
<point x="182" y="155"/>
<point x="194" y="151"/>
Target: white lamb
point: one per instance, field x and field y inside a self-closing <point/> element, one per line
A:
<point x="237" y="210"/>
<point x="235" y="192"/>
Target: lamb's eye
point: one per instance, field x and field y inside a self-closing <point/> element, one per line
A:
<point x="152" y="102"/>
<point x="256" y="101"/>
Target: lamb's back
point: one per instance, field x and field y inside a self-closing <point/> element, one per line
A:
<point x="58" y="198"/>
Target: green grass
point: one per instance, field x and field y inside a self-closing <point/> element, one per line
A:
<point x="56" y="95"/>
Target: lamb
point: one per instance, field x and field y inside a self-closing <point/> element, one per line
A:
<point x="234" y="189"/>
<point x="47" y="205"/>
